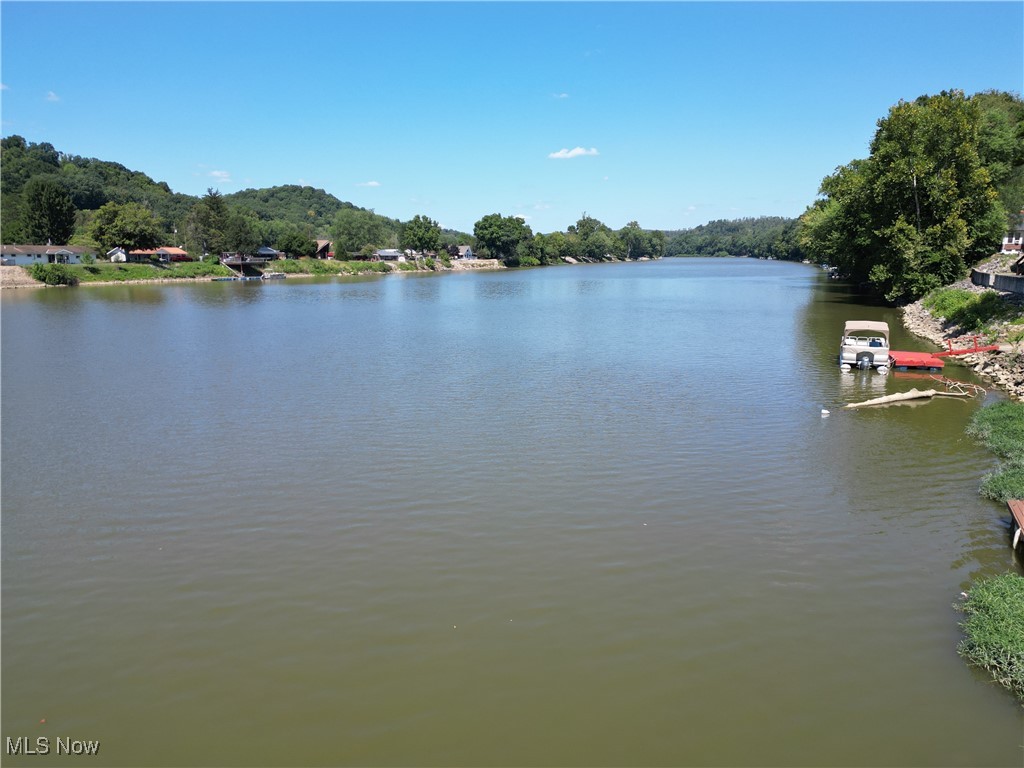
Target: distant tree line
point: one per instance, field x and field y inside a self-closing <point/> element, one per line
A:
<point x="943" y="181"/>
<point x="766" y="237"/>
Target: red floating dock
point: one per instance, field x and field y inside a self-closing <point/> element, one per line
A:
<point x="904" y="360"/>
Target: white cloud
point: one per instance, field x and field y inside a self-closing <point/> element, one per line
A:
<point x="368" y="184"/>
<point x="51" y="96"/>
<point x="4" y="87"/>
<point x="565" y="154"/>
<point x="222" y="176"/>
<point x="560" y="95"/>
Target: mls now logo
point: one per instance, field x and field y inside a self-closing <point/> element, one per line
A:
<point x="23" y="745"/>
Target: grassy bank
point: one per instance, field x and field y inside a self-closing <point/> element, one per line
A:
<point x="328" y="267"/>
<point x="988" y="314"/>
<point x="105" y="272"/>
<point x="1000" y="427"/>
<point x="994" y="630"/>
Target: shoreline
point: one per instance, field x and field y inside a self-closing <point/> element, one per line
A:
<point x="1004" y="370"/>
<point x="12" y="277"/>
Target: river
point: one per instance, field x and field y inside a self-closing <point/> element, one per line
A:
<point x="586" y="515"/>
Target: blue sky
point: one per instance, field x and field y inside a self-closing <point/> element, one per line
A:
<point x="668" y="113"/>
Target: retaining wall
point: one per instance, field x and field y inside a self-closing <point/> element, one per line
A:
<point x="1008" y="283"/>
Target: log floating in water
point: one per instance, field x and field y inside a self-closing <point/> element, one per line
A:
<point x="913" y="394"/>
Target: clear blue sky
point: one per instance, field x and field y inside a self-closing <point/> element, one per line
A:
<point x="679" y="112"/>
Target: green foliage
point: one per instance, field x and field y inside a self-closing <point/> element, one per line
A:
<point x="994" y="629"/>
<point x="501" y="235"/>
<point x="130" y="226"/>
<point x="1003" y="483"/>
<point x="421" y="234"/>
<point x="304" y="207"/>
<point x="354" y="229"/>
<point x="764" y="237"/>
<point x="53" y="274"/>
<point x="205" y="226"/>
<point x="923" y="206"/>
<point x="971" y="311"/>
<point x="1000" y="427"/>
<point x="107" y="272"/>
<point x="294" y="243"/>
<point x="323" y="267"/>
<point x="48" y="215"/>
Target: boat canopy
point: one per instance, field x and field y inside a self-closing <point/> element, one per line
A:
<point x="866" y="325"/>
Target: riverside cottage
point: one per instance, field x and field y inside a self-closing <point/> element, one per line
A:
<point x="27" y="255"/>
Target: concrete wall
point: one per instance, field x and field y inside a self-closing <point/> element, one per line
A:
<point x="1008" y="283"/>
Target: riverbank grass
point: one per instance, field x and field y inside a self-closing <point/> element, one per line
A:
<point x="105" y="272"/>
<point x="1000" y="427"/>
<point x="988" y="314"/>
<point x="994" y="630"/>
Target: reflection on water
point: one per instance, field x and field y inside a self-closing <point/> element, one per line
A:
<point x="581" y="515"/>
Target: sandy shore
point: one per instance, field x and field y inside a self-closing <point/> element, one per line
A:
<point x="17" y="277"/>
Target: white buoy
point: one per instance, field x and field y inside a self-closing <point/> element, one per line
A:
<point x="825" y="411"/>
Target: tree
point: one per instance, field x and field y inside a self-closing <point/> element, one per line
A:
<point x="296" y="244"/>
<point x="130" y="226"/>
<point x="240" y="233"/>
<point x="48" y="215"/>
<point x="919" y="209"/>
<point x="421" y="234"/>
<point x="355" y="228"/>
<point x="206" y="225"/>
<point x="501" y="235"/>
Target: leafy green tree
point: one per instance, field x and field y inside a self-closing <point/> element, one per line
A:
<point x="355" y="228"/>
<point x="421" y="234"/>
<point x="48" y="214"/>
<point x="296" y="244"/>
<point x="501" y="236"/>
<point x="240" y="233"/>
<point x="130" y="226"/>
<point x="205" y="226"/>
<point x="919" y="209"/>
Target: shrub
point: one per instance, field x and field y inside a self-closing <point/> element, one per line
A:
<point x="1000" y="427"/>
<point x="971" y="311"/>
<point x="54" y="274"/>
<point x="1003" y="483"/>
<point x="994" y="629"/>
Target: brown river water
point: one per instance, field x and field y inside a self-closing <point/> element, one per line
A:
<point x="576" y="516"/>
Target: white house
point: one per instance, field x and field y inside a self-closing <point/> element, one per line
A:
<point x="465" y="252"/>
<point x="27" y="255"/>
<point x="1014" y="241"/>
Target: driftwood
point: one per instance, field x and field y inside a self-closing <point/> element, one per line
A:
<point x="913" y="394"/>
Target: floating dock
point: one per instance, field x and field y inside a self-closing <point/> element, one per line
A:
<point x="902" y="361"/>
<point x="933" y="361"/>
<point x="1017" y="511"/>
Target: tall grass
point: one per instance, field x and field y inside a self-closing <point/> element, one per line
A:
<point x="994" y="629"/>
<point x="971" y="311"/>
<point x="1000" y="427"/>
<point x="107" y="272"/>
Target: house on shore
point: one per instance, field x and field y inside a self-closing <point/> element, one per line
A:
<point x="388" y="254"/>
<point x="1014" y="240"/>
<point x="323" y="250"/>
<point x="466" y="252"/>
<point x="27" y="255"/>
<point x="165" y="254"/>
